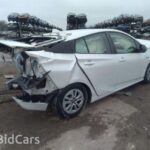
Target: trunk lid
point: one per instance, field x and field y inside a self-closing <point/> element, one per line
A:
<point x="15" y="44"/>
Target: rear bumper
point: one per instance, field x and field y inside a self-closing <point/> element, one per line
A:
<point x="35" y="102"/>
<point x="38" y="106"/>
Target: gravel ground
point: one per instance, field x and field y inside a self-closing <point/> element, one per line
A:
<point x="6" y="69"/>
<point x="118" y="122"/>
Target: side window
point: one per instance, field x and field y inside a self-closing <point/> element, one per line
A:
<point x="97" y="43"/>
<point x="81" y="47"/>
<point x="123" y="43"/>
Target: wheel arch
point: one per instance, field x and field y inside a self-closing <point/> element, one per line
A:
<point x="89" y="92"/>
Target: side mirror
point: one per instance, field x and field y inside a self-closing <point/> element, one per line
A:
<point x="143" y="48"/>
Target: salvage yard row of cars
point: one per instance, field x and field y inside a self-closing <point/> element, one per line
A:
<point x="77" y="67"/>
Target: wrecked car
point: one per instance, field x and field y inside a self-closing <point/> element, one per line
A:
<point x="78" y="67"/>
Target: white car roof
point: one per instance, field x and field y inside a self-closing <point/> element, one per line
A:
<point x="75" y="34"/>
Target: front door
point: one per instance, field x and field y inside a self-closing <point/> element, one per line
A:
<point x="131" y="62"/>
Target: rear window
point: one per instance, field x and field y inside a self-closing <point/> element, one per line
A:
<point x="61" y="47"/>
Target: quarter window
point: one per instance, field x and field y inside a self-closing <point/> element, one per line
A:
<point x="123" y="43"/>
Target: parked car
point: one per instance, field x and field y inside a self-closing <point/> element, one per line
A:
<point x="83" y="67"/>
<point x="124" y="28"/>
<point x="146" y="29"/>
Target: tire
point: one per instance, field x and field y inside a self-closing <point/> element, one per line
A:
<point x="70" y="101"/>
<point x="147" y="75"/>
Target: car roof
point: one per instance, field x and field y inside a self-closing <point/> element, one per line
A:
<point x="75" y="34"/>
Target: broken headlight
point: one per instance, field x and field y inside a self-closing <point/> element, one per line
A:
<point x="28" y="67"/>
<point x="19" y="62"/>
<point x="33" y="68"/>
<point x="34" y="65"/>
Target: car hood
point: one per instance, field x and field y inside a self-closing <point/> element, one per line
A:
<point x="145" y="42"/>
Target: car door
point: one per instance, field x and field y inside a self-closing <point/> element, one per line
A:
<point x="132" y="61"/>
<point x="99" y="65"/>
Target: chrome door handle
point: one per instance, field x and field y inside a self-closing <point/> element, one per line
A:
<point x="122" y="59"/>
<point x="89" y="64"/>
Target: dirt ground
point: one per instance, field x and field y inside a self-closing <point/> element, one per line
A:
<point x="118" y="122"/>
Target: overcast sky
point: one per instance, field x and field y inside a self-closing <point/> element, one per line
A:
<point x="55" y="11"/>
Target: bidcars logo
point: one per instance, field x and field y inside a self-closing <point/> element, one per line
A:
<point x="18" y="139"/>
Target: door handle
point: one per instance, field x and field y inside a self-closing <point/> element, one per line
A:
<point x="89" y="64"/>
<point x="147" y="57"/>
<point x="122" y="59"/>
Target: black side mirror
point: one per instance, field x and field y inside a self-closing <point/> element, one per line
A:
<point x="143" y="48"/>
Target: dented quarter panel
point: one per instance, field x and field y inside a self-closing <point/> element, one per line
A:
<point x="63" y="69"/>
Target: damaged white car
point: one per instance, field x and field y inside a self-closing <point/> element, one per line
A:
<point x="78" y="67"/>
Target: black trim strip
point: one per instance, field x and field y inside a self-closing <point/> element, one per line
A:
<point x="112" y="47"/>
<point x="86" y="76"/>
<point x="86" y="45"/>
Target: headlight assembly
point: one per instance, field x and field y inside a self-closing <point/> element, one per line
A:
<point x="28" y="67"/>
<point x="34" y="65"/>
<point x="33" y="68"/>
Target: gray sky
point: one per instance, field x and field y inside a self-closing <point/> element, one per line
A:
<point x="55" y="11"/>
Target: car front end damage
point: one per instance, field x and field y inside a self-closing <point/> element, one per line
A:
<point x="36" y="85"/>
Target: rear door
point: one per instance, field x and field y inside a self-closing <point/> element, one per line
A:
<point x="95" y="58"/>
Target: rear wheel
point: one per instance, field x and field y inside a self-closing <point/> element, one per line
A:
<point x="147" y="75"/>
<point x="70" y="101"/>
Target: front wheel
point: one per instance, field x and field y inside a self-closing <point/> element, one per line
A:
<point x="147" y="75"/>
<point x="71" y="100"/>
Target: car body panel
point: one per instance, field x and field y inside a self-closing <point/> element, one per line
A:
<point x="31" y="106"/>
<point x="111" y="72"/>
<point x="63" y="70"/>
<point x="144" y="42"/>
<point x="103" y="74"/>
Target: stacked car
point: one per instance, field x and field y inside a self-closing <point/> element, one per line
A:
<point x="76" y="21"/>
<point x="27" y="23"/>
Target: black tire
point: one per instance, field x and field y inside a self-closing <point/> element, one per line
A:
<point x="147" y="75"/>
<point x="58" y="102"/>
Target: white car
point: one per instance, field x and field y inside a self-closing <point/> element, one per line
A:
<point x="79" y="67"/>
